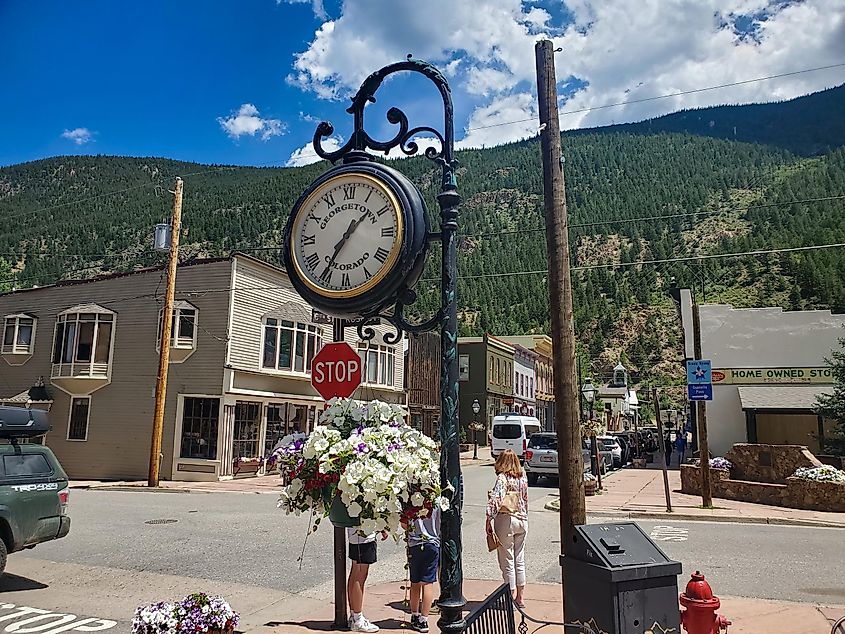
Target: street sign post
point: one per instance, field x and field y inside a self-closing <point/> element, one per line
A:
<point x="699" y="380"/>
<point x="336" y="371"/>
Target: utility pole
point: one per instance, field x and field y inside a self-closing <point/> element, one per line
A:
<point x="570" y="462"/>
<point x="663" y="450"/>
<point x="166" y="332"/>
<point x="701" y="417"/>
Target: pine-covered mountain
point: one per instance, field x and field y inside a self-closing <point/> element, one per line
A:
<point x="671" y="187"/>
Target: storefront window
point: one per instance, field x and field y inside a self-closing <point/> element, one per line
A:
<point x="247" y="424"/>
<point x="200" y="420"/>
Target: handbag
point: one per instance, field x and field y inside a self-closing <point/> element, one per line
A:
<point x="492" y="542"/>
<point x="510" y="503"/>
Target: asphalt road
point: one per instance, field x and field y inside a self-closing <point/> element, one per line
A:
<point x="242" y="546"/>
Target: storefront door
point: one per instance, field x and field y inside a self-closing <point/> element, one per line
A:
<point x="284" y="419"/>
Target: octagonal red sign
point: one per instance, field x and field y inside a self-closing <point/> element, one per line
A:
<point x="336" y="371"/>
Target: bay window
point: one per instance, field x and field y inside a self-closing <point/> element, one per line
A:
<point x="82" y="345"/>
<point x="289" y="345"/>
<point x="183" y="327"/>
<point x="18" y="334"/>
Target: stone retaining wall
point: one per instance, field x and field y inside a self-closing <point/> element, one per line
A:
<point x="768" y="463"/>
<point x="793" y="493"/>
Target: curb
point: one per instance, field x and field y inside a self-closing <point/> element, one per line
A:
<point x="772" y="521"/>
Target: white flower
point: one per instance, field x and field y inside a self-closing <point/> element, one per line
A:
<point x="354" y="509"/>
<point x="443" y="503"/>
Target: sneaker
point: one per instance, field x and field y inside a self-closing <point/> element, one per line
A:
<point x="362" y="625"/>
<point x="420" y="624"/>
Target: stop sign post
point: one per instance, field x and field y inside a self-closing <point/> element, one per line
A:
<point x="336" y="371"/>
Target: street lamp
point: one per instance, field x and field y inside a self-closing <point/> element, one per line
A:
<point x="476" y="407"/>
<point x="589" y="392"/>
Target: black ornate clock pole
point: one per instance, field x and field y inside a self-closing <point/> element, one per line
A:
<point x="390" y="306"/>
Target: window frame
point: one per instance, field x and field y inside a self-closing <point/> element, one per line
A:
<point x="177" y="342"/>
<point x="101" y="316"/>
<point x="15" y="319"/>
<point x="73" y="400"/>
<point x="463" y="361"/>
<point x="385" y="356"/>
<point x="299" y="331"/>
<point x="181" y="409"/>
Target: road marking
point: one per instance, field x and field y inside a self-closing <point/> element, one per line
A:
<point x="669" y="534"/>
<point x="56" y="622"/>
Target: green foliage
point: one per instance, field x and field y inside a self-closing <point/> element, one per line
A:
<point x="832" y="406"/>
<point x="79" y="216"/>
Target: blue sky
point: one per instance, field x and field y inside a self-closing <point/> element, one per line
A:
<point x="219" y="81"/>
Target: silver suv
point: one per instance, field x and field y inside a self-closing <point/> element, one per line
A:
<point x="541" y="457"/>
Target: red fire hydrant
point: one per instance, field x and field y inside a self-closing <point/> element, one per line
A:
<point x="700" y="615"/>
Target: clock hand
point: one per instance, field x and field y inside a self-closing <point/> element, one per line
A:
<point x="337" y="248"/>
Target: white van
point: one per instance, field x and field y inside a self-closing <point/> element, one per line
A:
<point x="512" y="431"/>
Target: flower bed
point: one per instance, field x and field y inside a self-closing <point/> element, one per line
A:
<point x="196" y="613"/>
<point x="364" y="458"/>
<point x="721" y="463"/>
<point x="824" y="473"/>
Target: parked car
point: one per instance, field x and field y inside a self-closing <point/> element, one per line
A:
<point x="512" y="431"/>
<point x="605" y="455"/>
<point x="612" y="445"/>
<point x="541" y="457"/>
<point x="33" y="485"/>
<point x="626" y="444"/>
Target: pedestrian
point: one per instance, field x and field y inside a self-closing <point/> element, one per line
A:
<point x="423" y="562"/>
<point x="363" y="552"/>
<point x="507" y="517"/>
<point x="681" y="446"/>
<point x="667" y="448"/>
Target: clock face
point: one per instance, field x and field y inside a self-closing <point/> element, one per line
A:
<point x="347" y="235"/>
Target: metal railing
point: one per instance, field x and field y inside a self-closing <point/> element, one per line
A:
<point x="496" y="616"/>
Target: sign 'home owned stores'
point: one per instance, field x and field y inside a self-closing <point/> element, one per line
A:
<point x="746" y="376"/>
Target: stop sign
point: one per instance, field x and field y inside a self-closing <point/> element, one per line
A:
<point x="336" y="371"/>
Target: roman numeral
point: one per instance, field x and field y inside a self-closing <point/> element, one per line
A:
<point x="326" y="277"/>
<point x="307" y="240"/>
<point x="311" y="216"/>
<point x="383" y="210"/>
<point x="369" y="193"/>
<point x="381" y="255"/>
<point x="345" y="280"/>
<point x="388" y="232"/>
<point x="367" y="274"/>
<point x="329" y="200"/>
<point x="349" y="192"/>
<point x="312" y="261"/>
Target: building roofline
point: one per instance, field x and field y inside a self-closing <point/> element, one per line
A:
<point x="147" y="269"/>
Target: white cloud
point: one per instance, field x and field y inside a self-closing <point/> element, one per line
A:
<point x="80" y="136"/>
<point x="616" y="51"/>
<point x="306" y="155"/>
<point x="248" y="121"/>
<point x="316" y="6"/>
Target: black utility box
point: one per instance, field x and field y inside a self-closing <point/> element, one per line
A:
<point x="617" y="581"/>
<point x="21" y="422"/>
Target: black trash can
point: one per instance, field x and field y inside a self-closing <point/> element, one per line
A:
<point x="618" y="581"/>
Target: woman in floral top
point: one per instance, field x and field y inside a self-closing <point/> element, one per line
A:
<point x="510" y="527"/>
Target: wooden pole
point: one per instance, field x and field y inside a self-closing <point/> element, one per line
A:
<point x="662" y="451"/>
<point x="166" y="331"/>
<point x="701" y="417"/>
<point x="570" y="464"/>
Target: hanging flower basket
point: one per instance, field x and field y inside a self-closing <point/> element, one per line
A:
<point x="363" y="466"/>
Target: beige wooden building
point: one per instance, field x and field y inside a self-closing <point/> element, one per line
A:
<point x="239" y="378"/>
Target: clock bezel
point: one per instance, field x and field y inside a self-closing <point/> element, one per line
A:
<point x="396" y="280"/>
<point x="384" y="270"/>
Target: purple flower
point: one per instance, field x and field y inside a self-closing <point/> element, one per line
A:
<point x="362" y="448"/>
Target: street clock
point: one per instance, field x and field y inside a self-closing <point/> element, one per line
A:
<point x="356" y="239"/>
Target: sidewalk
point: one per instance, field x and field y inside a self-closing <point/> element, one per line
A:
<point x="252" y="484"/>
<point x="638" y="494"/>
<point x="385" y="608"/>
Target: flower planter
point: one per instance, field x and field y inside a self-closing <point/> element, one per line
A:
<point x="339" y="515"/>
